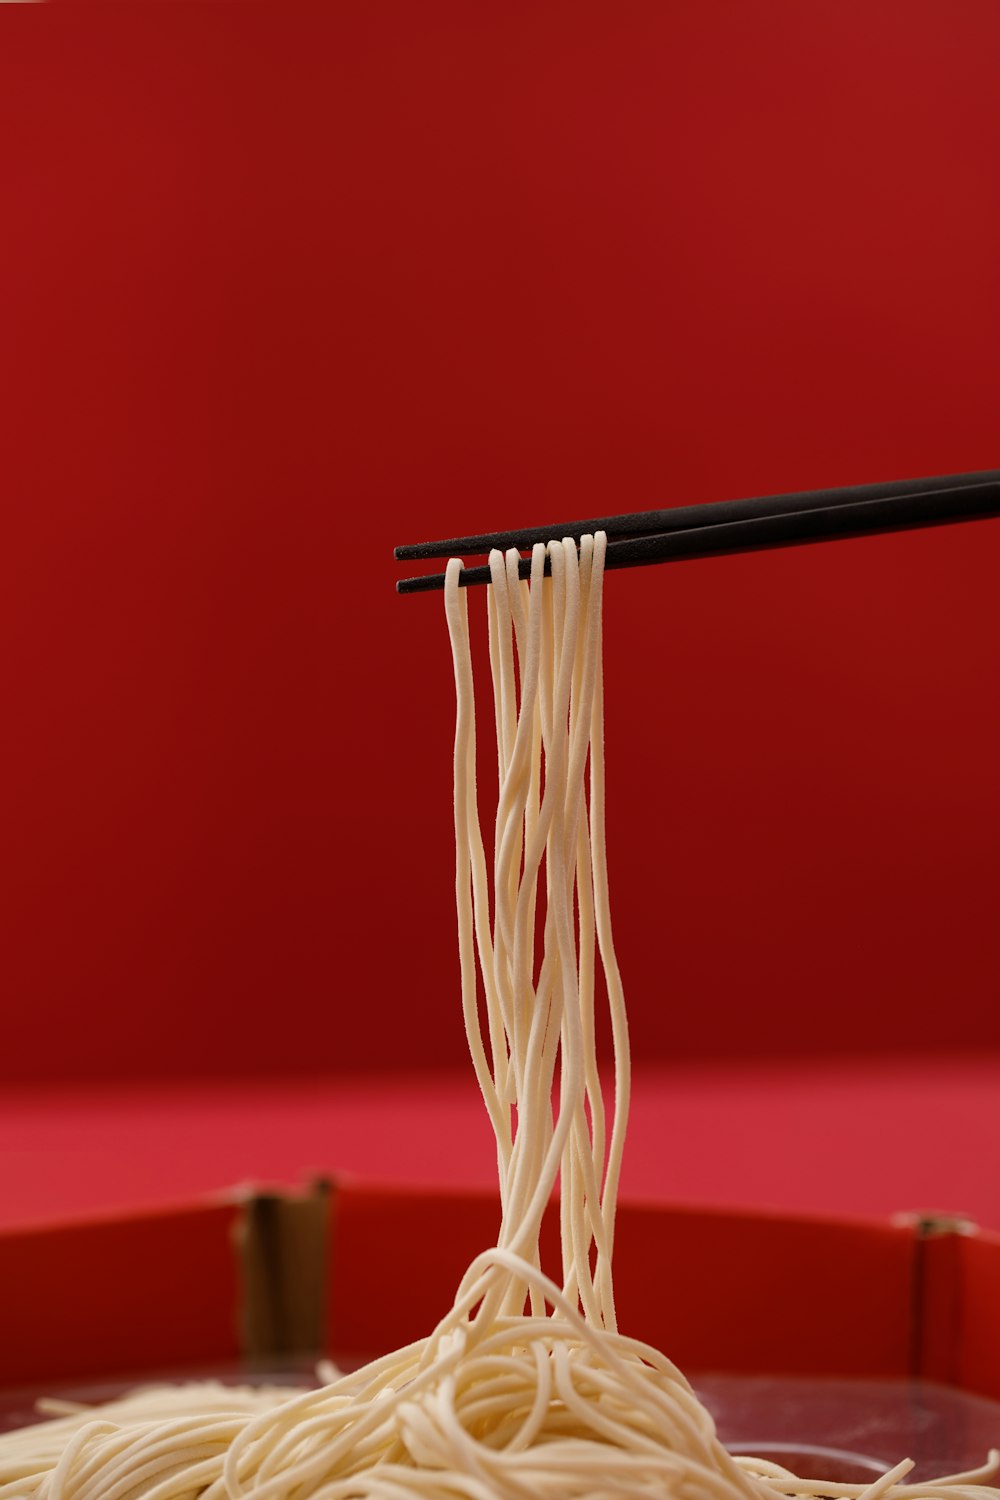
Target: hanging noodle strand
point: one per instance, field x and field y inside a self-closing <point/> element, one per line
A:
<point x="525" y="1390"/>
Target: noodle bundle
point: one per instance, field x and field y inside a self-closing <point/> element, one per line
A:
<point x="526" y="1388"/>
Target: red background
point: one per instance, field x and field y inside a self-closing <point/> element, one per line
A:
<point x="284" y="285"/>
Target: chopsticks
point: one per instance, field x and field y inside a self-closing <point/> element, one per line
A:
<point x="733" y="526"/>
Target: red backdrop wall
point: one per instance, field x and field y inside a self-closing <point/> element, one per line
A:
<point x="283" y="285"/>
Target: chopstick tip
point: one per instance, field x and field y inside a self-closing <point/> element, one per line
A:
<point x="423" y="583"/>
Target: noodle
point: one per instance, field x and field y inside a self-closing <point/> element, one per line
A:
<point x="525" y="1388"/>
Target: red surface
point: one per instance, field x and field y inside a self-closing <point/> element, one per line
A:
<point x="979" y="1368"/>
<point x="731" y="1292"/>
<point x="119" y="1295"/>
<point x="285" y="284"/>
<point x="942" y="1279"/>
<point x="860" y="1140"/>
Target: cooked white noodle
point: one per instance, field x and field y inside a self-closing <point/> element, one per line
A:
<point x="525" y="1389"/>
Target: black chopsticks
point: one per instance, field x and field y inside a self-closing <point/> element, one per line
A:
<point x="730" y="526"/>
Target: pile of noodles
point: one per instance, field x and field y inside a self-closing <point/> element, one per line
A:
<point x="525" y="1389"/>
